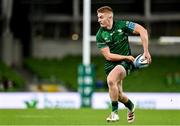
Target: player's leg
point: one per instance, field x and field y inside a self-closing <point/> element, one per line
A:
<point x="113" y="80"/>
<point x="127" y="102"/>
<point x="123" y="98"/>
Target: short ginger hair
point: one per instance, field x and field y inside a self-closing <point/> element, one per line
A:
<point x="105" y="9"/>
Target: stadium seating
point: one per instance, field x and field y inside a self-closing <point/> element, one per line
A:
<point x="10" y="80"/>
<point x="160" y="76"/>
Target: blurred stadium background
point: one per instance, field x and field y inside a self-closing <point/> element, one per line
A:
<point x="41" y="63"/>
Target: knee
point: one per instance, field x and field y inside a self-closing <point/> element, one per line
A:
<point x="110" y="82"/>
<point x="120" y="98"/>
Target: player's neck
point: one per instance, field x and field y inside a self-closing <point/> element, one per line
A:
<point x="109" y="27"/>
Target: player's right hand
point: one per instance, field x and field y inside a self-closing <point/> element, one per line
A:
<point x="130" y="58"/>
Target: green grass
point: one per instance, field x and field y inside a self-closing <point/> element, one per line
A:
<point x="85" y="117"/>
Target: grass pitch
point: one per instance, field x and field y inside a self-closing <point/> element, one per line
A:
<point x="71" y="117"/>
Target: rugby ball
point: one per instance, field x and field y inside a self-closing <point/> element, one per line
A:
<point x="140" y="62"/>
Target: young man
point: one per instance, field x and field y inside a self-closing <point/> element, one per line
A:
<point x="112" y="40"/>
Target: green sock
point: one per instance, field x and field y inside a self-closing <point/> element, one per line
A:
<point x="114" y="106"/>
<point x="129" y="105"/>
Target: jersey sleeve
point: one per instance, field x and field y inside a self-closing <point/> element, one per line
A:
<point x="128" y="26"/>
<point x="100" y="41"/>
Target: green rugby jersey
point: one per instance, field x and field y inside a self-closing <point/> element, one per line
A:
<point x="117" y="41"/>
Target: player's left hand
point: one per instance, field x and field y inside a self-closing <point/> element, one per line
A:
<point x="147" y="56"/>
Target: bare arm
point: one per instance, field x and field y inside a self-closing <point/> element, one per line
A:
<point x="114" y="57"/>
<point x="144" y="38"/>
